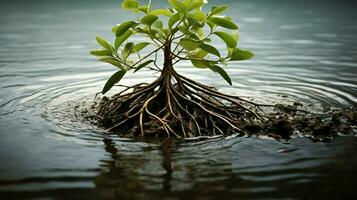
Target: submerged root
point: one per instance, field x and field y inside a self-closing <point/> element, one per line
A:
<point x="176" y="106"/>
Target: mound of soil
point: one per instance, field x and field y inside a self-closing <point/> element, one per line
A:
<point x="278" y="121"/>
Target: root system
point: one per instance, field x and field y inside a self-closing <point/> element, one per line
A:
<point x="176" y="106"/>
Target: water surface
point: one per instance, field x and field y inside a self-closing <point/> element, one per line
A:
<point x="305" y="51"/>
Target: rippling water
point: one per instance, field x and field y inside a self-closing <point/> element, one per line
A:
<point x="305" y="51"/>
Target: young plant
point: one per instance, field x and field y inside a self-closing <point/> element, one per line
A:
<point x="173" y="104"/>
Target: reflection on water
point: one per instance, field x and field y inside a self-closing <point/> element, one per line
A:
<point x="305" y="51"/>
<point x="220" y="169"/>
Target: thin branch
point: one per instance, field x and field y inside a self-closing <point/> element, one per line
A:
<point x="154" y="69"/>
<point x="146" y="56"/>
<point x="178" y="60"/>
<point x="156" y="63"/>
<point x="198" y="59"/>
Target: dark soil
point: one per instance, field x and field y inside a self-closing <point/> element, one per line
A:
<point x="280" y="122"/>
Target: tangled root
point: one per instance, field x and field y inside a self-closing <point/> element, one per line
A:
<point x="174" y="105"/>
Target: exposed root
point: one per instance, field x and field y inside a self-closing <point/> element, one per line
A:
<point x="176" y="106"/>
<point x="173" y="105"/>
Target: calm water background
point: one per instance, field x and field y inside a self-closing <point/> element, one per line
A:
<point x="305" y="51"/>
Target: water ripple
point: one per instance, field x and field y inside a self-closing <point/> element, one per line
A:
<point x="305" y="54"/>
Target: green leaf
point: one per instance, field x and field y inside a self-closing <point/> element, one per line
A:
<point x="141" y="30"/>
<point x="114" y="29"/>
<point x="200" y="63"/>
<point x="171" y="10"/>
<point x="144" y="9"/>
<point x="198" y="53"/>
<point x="194" y="4"/>
<point x="166" y="31"/>
<point x="180" y="7"/>
<point x="221" y="71"/>
<point x="149" y="19"/>
<point x="158" y="24"/>
<point x="235" y="35"/>
<point x="161" y="35"/>
<point x="187" y="2"/>
<point x="103" y="42"/>
<point x="127" y="50"/>
<point x="239" y="54"/>
<point x="198" y="16"/>
<point x="210" y="49"/>
<point x="210" y="24"/>
<point x="200" y="32"/>
<point x="147" y="31"/>
<point x="218" y="10"/>
<point x="119" y="40"/>
<point x="138" y="47"/>
<point x="228" y="39"/>
<point x="192" y="35"/>
<point x="183" y="29"/>
<point x="173" y="19"/>
<point x="219" y="21"/>
<point x="115" y="78"/>
<point x="130" y="4"/>
<point x="153" y="32"/>
<point x="189" y="44"/>
<point x="164" y="12"/>
<point x="112" y="61"/>
<point x="207" y="40"/>
<point x="193" y="22"/>
<point x="143" y="65"/>
<point x="122" y="28"/>
<point x="101" y="53"/>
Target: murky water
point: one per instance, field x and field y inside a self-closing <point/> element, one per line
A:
<point x="305" y="51"/>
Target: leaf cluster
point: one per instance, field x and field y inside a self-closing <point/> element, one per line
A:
<point x="183" y="27"/>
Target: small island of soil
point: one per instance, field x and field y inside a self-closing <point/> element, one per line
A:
<point x="277" y="121"/>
